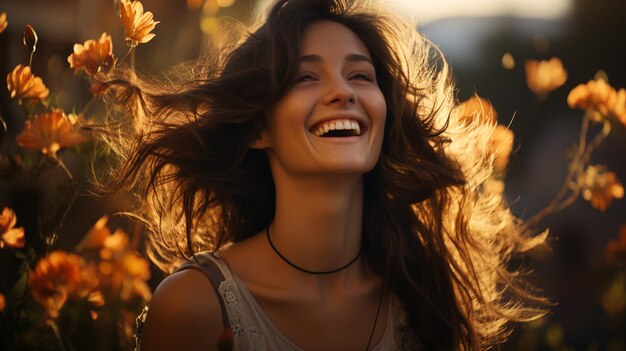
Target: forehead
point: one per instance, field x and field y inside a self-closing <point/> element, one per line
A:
<point x="328" y="37"/>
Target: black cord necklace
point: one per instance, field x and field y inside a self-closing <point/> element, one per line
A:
<point x="380" y="299"/>
<point x="267" y="231"/>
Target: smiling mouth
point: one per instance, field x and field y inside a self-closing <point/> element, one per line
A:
<point x="337" y="128"/>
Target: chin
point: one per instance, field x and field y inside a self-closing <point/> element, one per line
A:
<point x="346" y="168"/>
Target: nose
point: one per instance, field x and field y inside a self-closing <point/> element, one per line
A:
<point x="339" y="92"/>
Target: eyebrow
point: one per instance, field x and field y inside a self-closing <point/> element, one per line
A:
<point x="349" y="58"/>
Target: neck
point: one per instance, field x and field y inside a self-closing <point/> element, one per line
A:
<point x="317" y="224"/>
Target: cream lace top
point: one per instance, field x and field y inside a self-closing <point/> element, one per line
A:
<point x="253" y="330"/>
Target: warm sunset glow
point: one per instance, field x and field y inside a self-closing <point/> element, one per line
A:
<point x="426" y="11"/>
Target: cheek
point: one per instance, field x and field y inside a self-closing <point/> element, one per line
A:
<point x="291" y="109"/>
<point x="378" y="113"/>
<point x="377" y="107"/>
<point x="286" y="121"/>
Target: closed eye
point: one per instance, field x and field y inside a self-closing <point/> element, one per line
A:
<point x="362" y="76"/>
<point x="304" y="77"/>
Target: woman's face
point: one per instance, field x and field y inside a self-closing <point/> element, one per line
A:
<point x="332" y="120"/>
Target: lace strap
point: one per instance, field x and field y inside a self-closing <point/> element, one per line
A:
<point x="212" y="271"/>
<point x="139" y="322"/>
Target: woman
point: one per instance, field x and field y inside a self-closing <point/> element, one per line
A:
<point x="317" y="175"/>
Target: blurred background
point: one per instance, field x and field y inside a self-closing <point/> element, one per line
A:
<point x="486" y="42"/>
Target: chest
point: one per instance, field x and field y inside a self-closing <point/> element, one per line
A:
<point x="348" y="323"/>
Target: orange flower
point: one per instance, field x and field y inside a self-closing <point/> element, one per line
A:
<point x="601" y="99"/>
<point x="11" y="237"/>
<point x="93" y="56"/>
<point x="2" y="302"/>
<point x="3" y="22"/>
<point x="50" y="132"/>
<point x="112" y="255"/>
<point x="23" y="85"/>
<point x="100" y="238"/>
<point x="477" y="108"/>
<point x="60" y="276"/>
<point x="543" y="77"/>
<point x="502" y="145"/>
<point x="121" y="271"/>
<point x="601" y="187"/>
<point x="615" y="250"/>
<point x="124" y="275"/>
<point x="94" y="239"/>
<point x="137" y="24"/>
<point x="133" y="289"/>
<point x="114" y="244"/>
<point x="501" y="142"/>
<point x="136" y="266"/>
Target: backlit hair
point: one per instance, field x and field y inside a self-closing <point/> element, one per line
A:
<point x="440" y="241"/>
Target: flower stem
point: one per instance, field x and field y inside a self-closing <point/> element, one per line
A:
<point x="597" y="140"/>
<point x="575" y="170"/>
<point x="30" y="60"/>
<point x="57" y="334"/>
<point x="132" y="58"/>
<point x="126" y="55"/>
<point x="62" y="165"/>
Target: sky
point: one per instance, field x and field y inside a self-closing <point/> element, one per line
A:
<point x="427" y="11"/>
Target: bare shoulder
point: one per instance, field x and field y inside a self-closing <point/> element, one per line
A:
<point x="247" y="259"/>
<point x="184" y="314"/>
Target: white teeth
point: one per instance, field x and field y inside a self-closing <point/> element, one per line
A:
<point x="338" y="125"/>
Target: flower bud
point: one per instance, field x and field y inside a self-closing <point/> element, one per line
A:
<point x="30" y="38"/>
<point x="3" y="22"/>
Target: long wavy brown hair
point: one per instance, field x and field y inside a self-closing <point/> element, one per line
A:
<point x="440" y="240"/>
